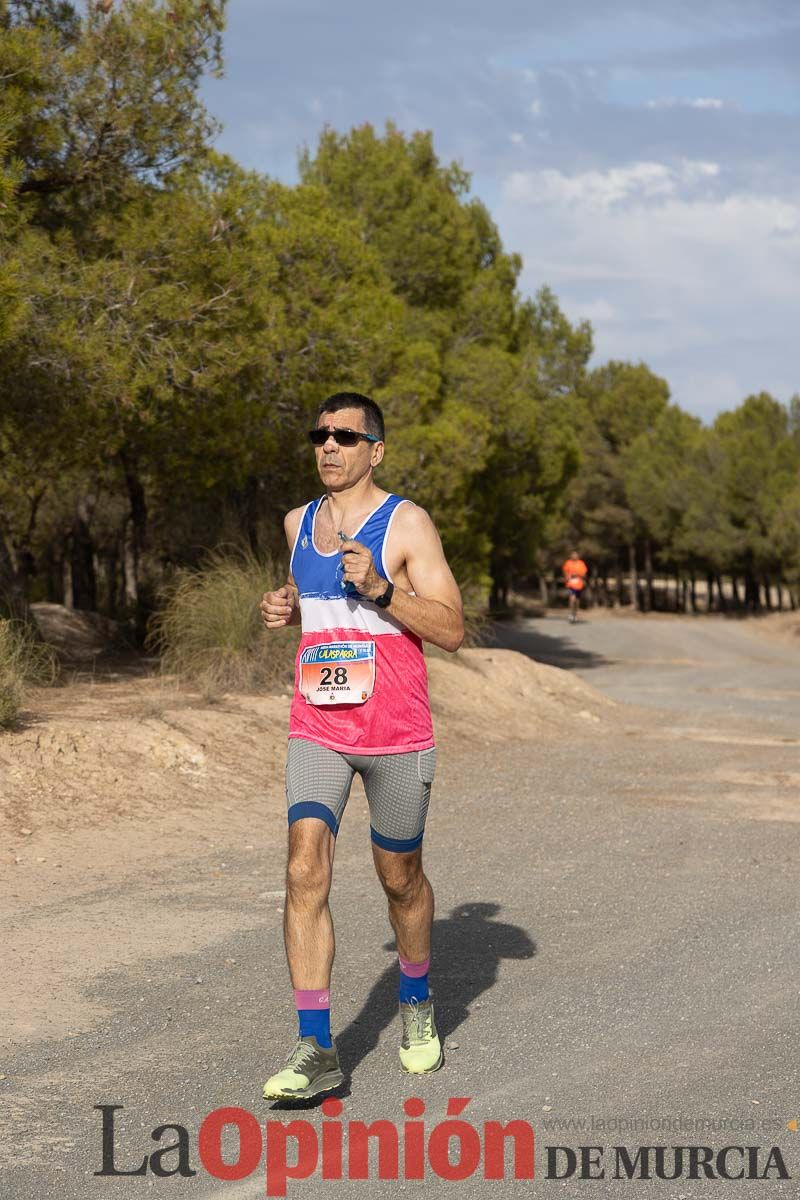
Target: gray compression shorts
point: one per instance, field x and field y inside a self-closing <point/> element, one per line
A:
<point x="398" y="787"/>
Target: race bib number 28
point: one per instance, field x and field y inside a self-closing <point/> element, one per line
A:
<point x="338" y="672"/>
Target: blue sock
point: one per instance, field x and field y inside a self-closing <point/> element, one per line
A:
<point x="316" y="1022"/>
<point x="413" y="984"/>
<point x="314" y="1014"/>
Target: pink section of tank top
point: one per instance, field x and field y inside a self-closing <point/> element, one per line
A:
<point x="397" y="717"/>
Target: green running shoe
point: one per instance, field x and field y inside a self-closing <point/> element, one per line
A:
<point x="310" y="1069"/>
<point x="420" y="1049"/>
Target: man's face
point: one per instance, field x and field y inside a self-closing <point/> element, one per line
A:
<point x="341" y="466"/>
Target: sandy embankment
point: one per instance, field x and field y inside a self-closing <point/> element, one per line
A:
<point x="90" y="754"/>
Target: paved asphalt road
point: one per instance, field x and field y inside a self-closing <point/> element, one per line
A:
<point x="616" y="940"/>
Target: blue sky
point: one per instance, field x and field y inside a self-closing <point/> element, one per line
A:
<point x="641" y="155"/>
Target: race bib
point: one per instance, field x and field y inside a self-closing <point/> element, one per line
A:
<point x="338" y="672"/>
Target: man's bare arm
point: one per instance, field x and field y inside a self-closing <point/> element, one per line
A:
<point x="435" y="612"/>
<point x="282" y="606"/>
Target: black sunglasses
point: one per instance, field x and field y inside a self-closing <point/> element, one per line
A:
<point x="344" y="437"/>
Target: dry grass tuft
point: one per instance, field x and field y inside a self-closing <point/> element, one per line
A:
<point x="24" y="662"/>
<point x="209" y="629"/>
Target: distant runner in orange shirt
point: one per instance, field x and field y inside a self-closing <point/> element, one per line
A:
<point x="575" y="571"/>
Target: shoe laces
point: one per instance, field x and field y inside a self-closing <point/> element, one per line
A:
<point x="416" y="1022"/>
<point x="303" y="1053"/>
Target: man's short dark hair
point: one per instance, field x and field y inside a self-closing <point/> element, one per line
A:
<point x="373" y="417"/>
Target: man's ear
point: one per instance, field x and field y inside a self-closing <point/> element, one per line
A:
<point x="377" y="454"/>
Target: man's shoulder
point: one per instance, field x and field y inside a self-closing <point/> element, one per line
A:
<point x="291" y="522"/>
<point x="414" y="530"/>
<point x="411" y="516"/>
<point x="294" y="514"/>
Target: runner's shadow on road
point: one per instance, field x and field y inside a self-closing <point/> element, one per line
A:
<point x="543" y="643"/>
<point x="468" y="947"/>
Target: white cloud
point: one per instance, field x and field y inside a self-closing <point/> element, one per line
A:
<point x="711" y="391"/>
<point x="536" y="108"/>
<point x="517" y="138"/>
<point x="700" y="285"/>
<point x="604" y="189"/>
<point x="596" y="311"/>
<point x="673" y="247"/>
<point x="711" y="102"/>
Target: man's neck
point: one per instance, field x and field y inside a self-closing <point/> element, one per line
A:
<point x="353" y="503"/>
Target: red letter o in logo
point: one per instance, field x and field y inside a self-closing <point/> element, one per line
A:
<point x="209" y="1143"/>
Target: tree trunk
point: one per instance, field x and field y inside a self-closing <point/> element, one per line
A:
<point x="693" y="590"/>
<point x="54" y="575"/>
<point x="500" y="584"/>
<point x="13" y="583"/>
<point x="83" y="579"/>
<point x="129" y="570"/>
<point x="751" y="597"/>
<point x="544" y="594"/>
<point x="710" y="594"/>
<point x="66" y="584"/>
<point x="737" y="599"/>
<point x="723" y="603"/>
<point x="606" y="597"/>
<point x="247" y="504"/>
<point x="634" y="576"/>
<point x="767" y="593"/>
<point x="649" y="596"/>
<point x="135" y="537"/>
<point x="110" y="572"/>
<point x="500" y="572"/>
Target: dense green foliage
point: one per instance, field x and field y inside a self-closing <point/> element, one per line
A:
<point x="170" y="321"/>
<point x="659" y="492"/>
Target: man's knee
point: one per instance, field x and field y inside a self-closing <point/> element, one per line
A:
<point x="308" y="878"/>
<point x="308" y="867"/>
<point x="401" y="876"/>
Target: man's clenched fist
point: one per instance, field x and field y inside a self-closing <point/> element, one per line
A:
<point x="278" y="608"/>
<point x="359" y="569"/>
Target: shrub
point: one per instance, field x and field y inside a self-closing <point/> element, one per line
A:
<point x="209" y="631"/>
<point x="24" y="662"/>
<point x="477" y="625"/>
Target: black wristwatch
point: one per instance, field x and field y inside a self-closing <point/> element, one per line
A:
<point x="385" y="600"/>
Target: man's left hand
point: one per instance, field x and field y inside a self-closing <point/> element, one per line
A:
<point x="359" y="569"/>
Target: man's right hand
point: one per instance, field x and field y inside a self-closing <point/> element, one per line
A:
<point x="278" y="608"/>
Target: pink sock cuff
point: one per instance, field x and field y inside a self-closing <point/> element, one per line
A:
<point x="414" y="970"/>
<point x="312" y="998"/>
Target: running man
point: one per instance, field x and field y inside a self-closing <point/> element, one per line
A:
<point x="368" y="580"/>
<point x="574" y="571"/>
